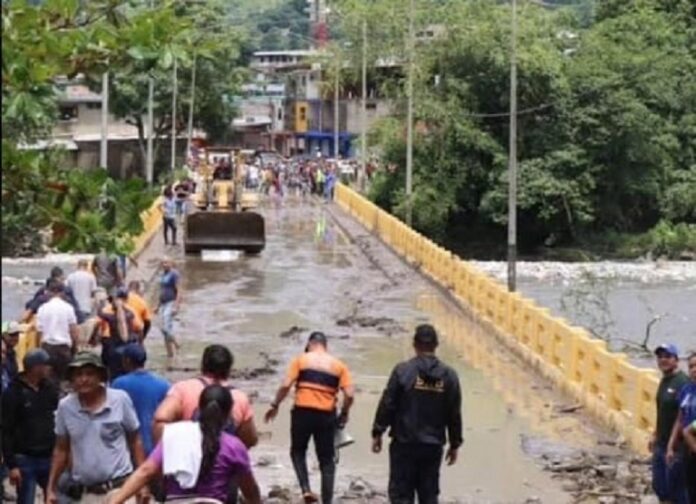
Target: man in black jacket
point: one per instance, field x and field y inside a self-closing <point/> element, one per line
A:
<point x="28" y="408"/>
<point x="422" y="408"/>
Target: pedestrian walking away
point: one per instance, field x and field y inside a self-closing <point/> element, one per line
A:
<point x="421" y="407"/>
<point x="169" y="304"/>
<point x="107" y="271"/>
<point x="97" y="438"/>
<point x="43" y="295"/>
<point x="685" y="418"/>
<point x="668" y="480"/>
<point x="318" y="377"/>
<point x="119" y="325"/>
<point x="198" y="459"/>
<point x="168" y="208"/>
<point x="183" y="397"/>
<point x="56" y="323"/>
<point x="83" y="284"/>
<point x="145" y="388"/>
<point x="28" y="409"/>
<point x="137" y="303"/>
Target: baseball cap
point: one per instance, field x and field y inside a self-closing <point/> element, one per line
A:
<point x="425" y="335"/>
<point x="84" y="358"/>
<point x="134" y="352"/>
<point x="668" y="348"/>
<point x="11" y="328"/>
<point x="36" y="357"/>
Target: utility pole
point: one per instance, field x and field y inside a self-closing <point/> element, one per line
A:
<point x="149" y="167"/>
<point x="512" y="161"/>
<point x="363" y="110"/>
<point x="336" y="123"/>
<point x="174" y="91"/>
<point x="189" y="135"/>
<point x="409" y="118"/>
<point x="104" y="146"/>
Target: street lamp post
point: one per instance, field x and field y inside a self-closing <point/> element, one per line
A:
<point x="174" y="92"/>
<point x="189" y="135"/>
<point x="512" y="161"/>
<point x="104" y="146"/>
<point x="409" y="118"/>
<point x="149" y="168"/>
<point x="363" y="110"/>
<point x="336" y="107"/>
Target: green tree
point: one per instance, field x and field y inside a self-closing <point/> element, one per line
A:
<point x="40" y="43"/>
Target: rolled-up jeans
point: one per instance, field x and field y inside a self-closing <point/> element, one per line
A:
<point x="167" y="320"/>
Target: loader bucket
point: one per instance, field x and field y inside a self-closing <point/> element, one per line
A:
<point x="219" y="229"/>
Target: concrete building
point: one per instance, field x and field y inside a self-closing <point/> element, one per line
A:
<point x="78" y="132"/>
<point x="309" y="108"/>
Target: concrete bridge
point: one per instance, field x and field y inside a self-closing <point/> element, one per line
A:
<point x="550" y="415"/>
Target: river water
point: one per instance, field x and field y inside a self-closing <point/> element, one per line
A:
<point x="318" y="272"/>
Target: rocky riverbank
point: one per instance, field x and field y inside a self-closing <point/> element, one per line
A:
<point x="648" y="272"/>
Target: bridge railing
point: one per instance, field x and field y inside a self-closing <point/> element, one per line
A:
<point x="605" y="383"/>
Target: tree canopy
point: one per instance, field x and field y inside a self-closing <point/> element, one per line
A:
<point x="606" y="125"/>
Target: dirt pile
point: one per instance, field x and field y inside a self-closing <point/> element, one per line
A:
<point x="606" y="479"/>
<point x="385" y="325"/>
<point x="269" y="367"/>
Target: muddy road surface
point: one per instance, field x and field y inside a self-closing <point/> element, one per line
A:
<point x="322" y="271"/>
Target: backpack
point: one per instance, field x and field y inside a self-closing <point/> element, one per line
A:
<point x="230" y="428"/>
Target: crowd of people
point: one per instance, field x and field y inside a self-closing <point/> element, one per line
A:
<point x="110" y="430"/>
<point x="88" y="427"/>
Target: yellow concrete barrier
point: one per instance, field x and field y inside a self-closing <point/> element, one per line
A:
<point x="613" y="390"/>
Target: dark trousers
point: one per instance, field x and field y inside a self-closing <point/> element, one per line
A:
<point x="60" y="355"/>
<point x="690" y="470"/>
<point x="169" y="224"/>
<point x="34" y="472"/>
<point x="111" y="358"/>
<point x="321" y="425"/>
<point x="668" y="481"/>
<point x="414" y="469"/>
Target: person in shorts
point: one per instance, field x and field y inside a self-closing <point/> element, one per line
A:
<point x="169" y="304"/>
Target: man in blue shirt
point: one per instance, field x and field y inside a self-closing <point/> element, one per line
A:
<point x="169" y="303"/>
<point x="146" y="389"/>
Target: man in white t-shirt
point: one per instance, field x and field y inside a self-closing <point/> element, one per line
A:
<point x="56" y="322"/>
<point x="83" y="284"/>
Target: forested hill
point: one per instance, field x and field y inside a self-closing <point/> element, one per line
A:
<point x="273" y="25"/>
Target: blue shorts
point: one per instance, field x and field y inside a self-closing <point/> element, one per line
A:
<point x="167" y="320"/>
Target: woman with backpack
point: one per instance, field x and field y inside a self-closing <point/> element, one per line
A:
<point x="199" y="460"/>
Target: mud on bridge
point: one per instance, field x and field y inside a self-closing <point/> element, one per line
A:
<point x="322" y="271"/>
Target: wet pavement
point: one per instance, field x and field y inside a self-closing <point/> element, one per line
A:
<point x="322" y="271"/>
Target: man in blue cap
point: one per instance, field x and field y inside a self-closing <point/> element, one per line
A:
<point x="28" y="408"/>
<point x="667" y="479"/>
<point x="145" y="388"/>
